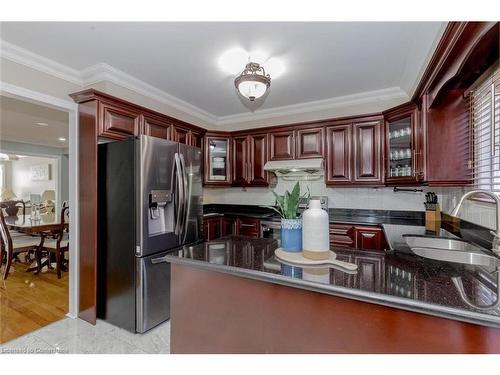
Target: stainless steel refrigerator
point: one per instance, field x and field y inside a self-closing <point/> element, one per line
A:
<point x="150" y="203"/>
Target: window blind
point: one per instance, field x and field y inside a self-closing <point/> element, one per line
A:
<point x="485" y="120"/>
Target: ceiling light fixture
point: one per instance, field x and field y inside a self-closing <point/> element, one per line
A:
<point x="61" y="139"/>
<point x="253" y="82"/>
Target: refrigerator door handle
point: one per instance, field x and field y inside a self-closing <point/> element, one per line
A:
<point x="185" y="196"/>
<point x="159" y="260"/>
<point x="180" y="195"/>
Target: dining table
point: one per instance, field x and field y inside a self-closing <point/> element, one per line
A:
<point x="26" y="224"/>
<point x="48" y="222"/>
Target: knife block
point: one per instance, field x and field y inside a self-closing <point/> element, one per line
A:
<point x="432" y="217"/>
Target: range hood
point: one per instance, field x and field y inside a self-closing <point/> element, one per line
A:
<point x="304" y="169"/>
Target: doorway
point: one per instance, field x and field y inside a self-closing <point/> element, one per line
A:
<point x="36" y="152"/>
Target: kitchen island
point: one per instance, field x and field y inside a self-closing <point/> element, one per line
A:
<point x="233" y="296"/>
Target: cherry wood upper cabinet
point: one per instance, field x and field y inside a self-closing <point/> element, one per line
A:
<point x="217" y="159"/>
<point x="282" y="145"/>
<point x="257" y="147"/>
<point x="180" y="135"/>
<point x="309" y="143"/>
<point x="118" y="122"/>
<point x="249" y="158"/>
<point x="339" y="155"/>
<point x="195" y="139"/>
<point x="403" y="146"/>
<point x="368" y="157"/>
<point x="240" y="161"/>
<point x="156" y="127"/>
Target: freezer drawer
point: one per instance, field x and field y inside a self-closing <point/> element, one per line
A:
<point x="153" y="291"/>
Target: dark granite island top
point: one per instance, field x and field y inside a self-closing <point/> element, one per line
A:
<point x="396" y="279"/>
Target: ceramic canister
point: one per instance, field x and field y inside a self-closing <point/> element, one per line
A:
<point x="315" y="232"/>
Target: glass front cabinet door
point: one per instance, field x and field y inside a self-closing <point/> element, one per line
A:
<point x="217" y="158"/>
<point x="403" y="146"/>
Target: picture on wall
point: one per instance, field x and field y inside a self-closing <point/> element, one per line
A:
<point x="40" y="172"/>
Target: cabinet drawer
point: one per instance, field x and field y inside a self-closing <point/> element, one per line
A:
<point x="118" y="122"/>
<point x="370" y="238"/>
<point x="249" y="227"/>
<point x="342" y="235"/>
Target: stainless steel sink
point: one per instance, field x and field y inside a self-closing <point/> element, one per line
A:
<point x="451" y="250"/>
<point x="457" y="251"/>
<point x="440" y="243"/>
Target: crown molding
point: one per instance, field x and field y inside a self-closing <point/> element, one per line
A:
<point x="318" y="105"/>
<point x="32" y="60"/>
<point x="104" y="72"/>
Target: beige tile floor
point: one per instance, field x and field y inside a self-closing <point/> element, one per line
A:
<point x="75" y="336"/>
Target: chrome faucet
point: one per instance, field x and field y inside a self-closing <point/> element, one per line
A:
<point x="495" y="248"/>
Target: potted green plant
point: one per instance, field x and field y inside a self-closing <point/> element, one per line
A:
<point x="287" y="206"/>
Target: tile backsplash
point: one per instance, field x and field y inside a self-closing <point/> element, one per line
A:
<point x="370" y="198"/>
<point x="383" y="198"/>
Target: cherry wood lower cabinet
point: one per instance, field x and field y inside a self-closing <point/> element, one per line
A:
<point x="342" y="235"/>
<point x="219" y="226"/>
<point x="358" y="237"/>
<point x="212" y="228"/>
<point x="229" y="225"/>
<point x="241" y="315"/>
<point x="248" y="227"/>
<point x="370" y="238"/>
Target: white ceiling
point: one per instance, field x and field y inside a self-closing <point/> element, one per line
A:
<point x="324" y="60"/>
<point x="18" y="123"/>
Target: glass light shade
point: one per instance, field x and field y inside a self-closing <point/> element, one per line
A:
<point x="252" y="89"/>
<point x="7" y="194"/>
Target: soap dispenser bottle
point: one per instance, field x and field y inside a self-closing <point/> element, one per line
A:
<point x="315" y="232"/>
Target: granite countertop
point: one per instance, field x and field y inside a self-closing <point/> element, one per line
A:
<point x="337" y="215"/>
<point x="395" y="278"/>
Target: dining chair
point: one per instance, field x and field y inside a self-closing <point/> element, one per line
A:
<point x="11" y="245"/>
<point x="11" y="207"/>
<point x="58" y="243"/>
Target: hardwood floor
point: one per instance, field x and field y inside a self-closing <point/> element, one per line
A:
<point x="29" y="302"/>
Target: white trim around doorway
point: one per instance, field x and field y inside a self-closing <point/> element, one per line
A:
<point x="21" y="93"/>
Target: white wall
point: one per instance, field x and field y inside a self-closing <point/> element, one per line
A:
<point x="23" y="186"/>
<point x="62" y="154"/>
<point x="8" y="173"/>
